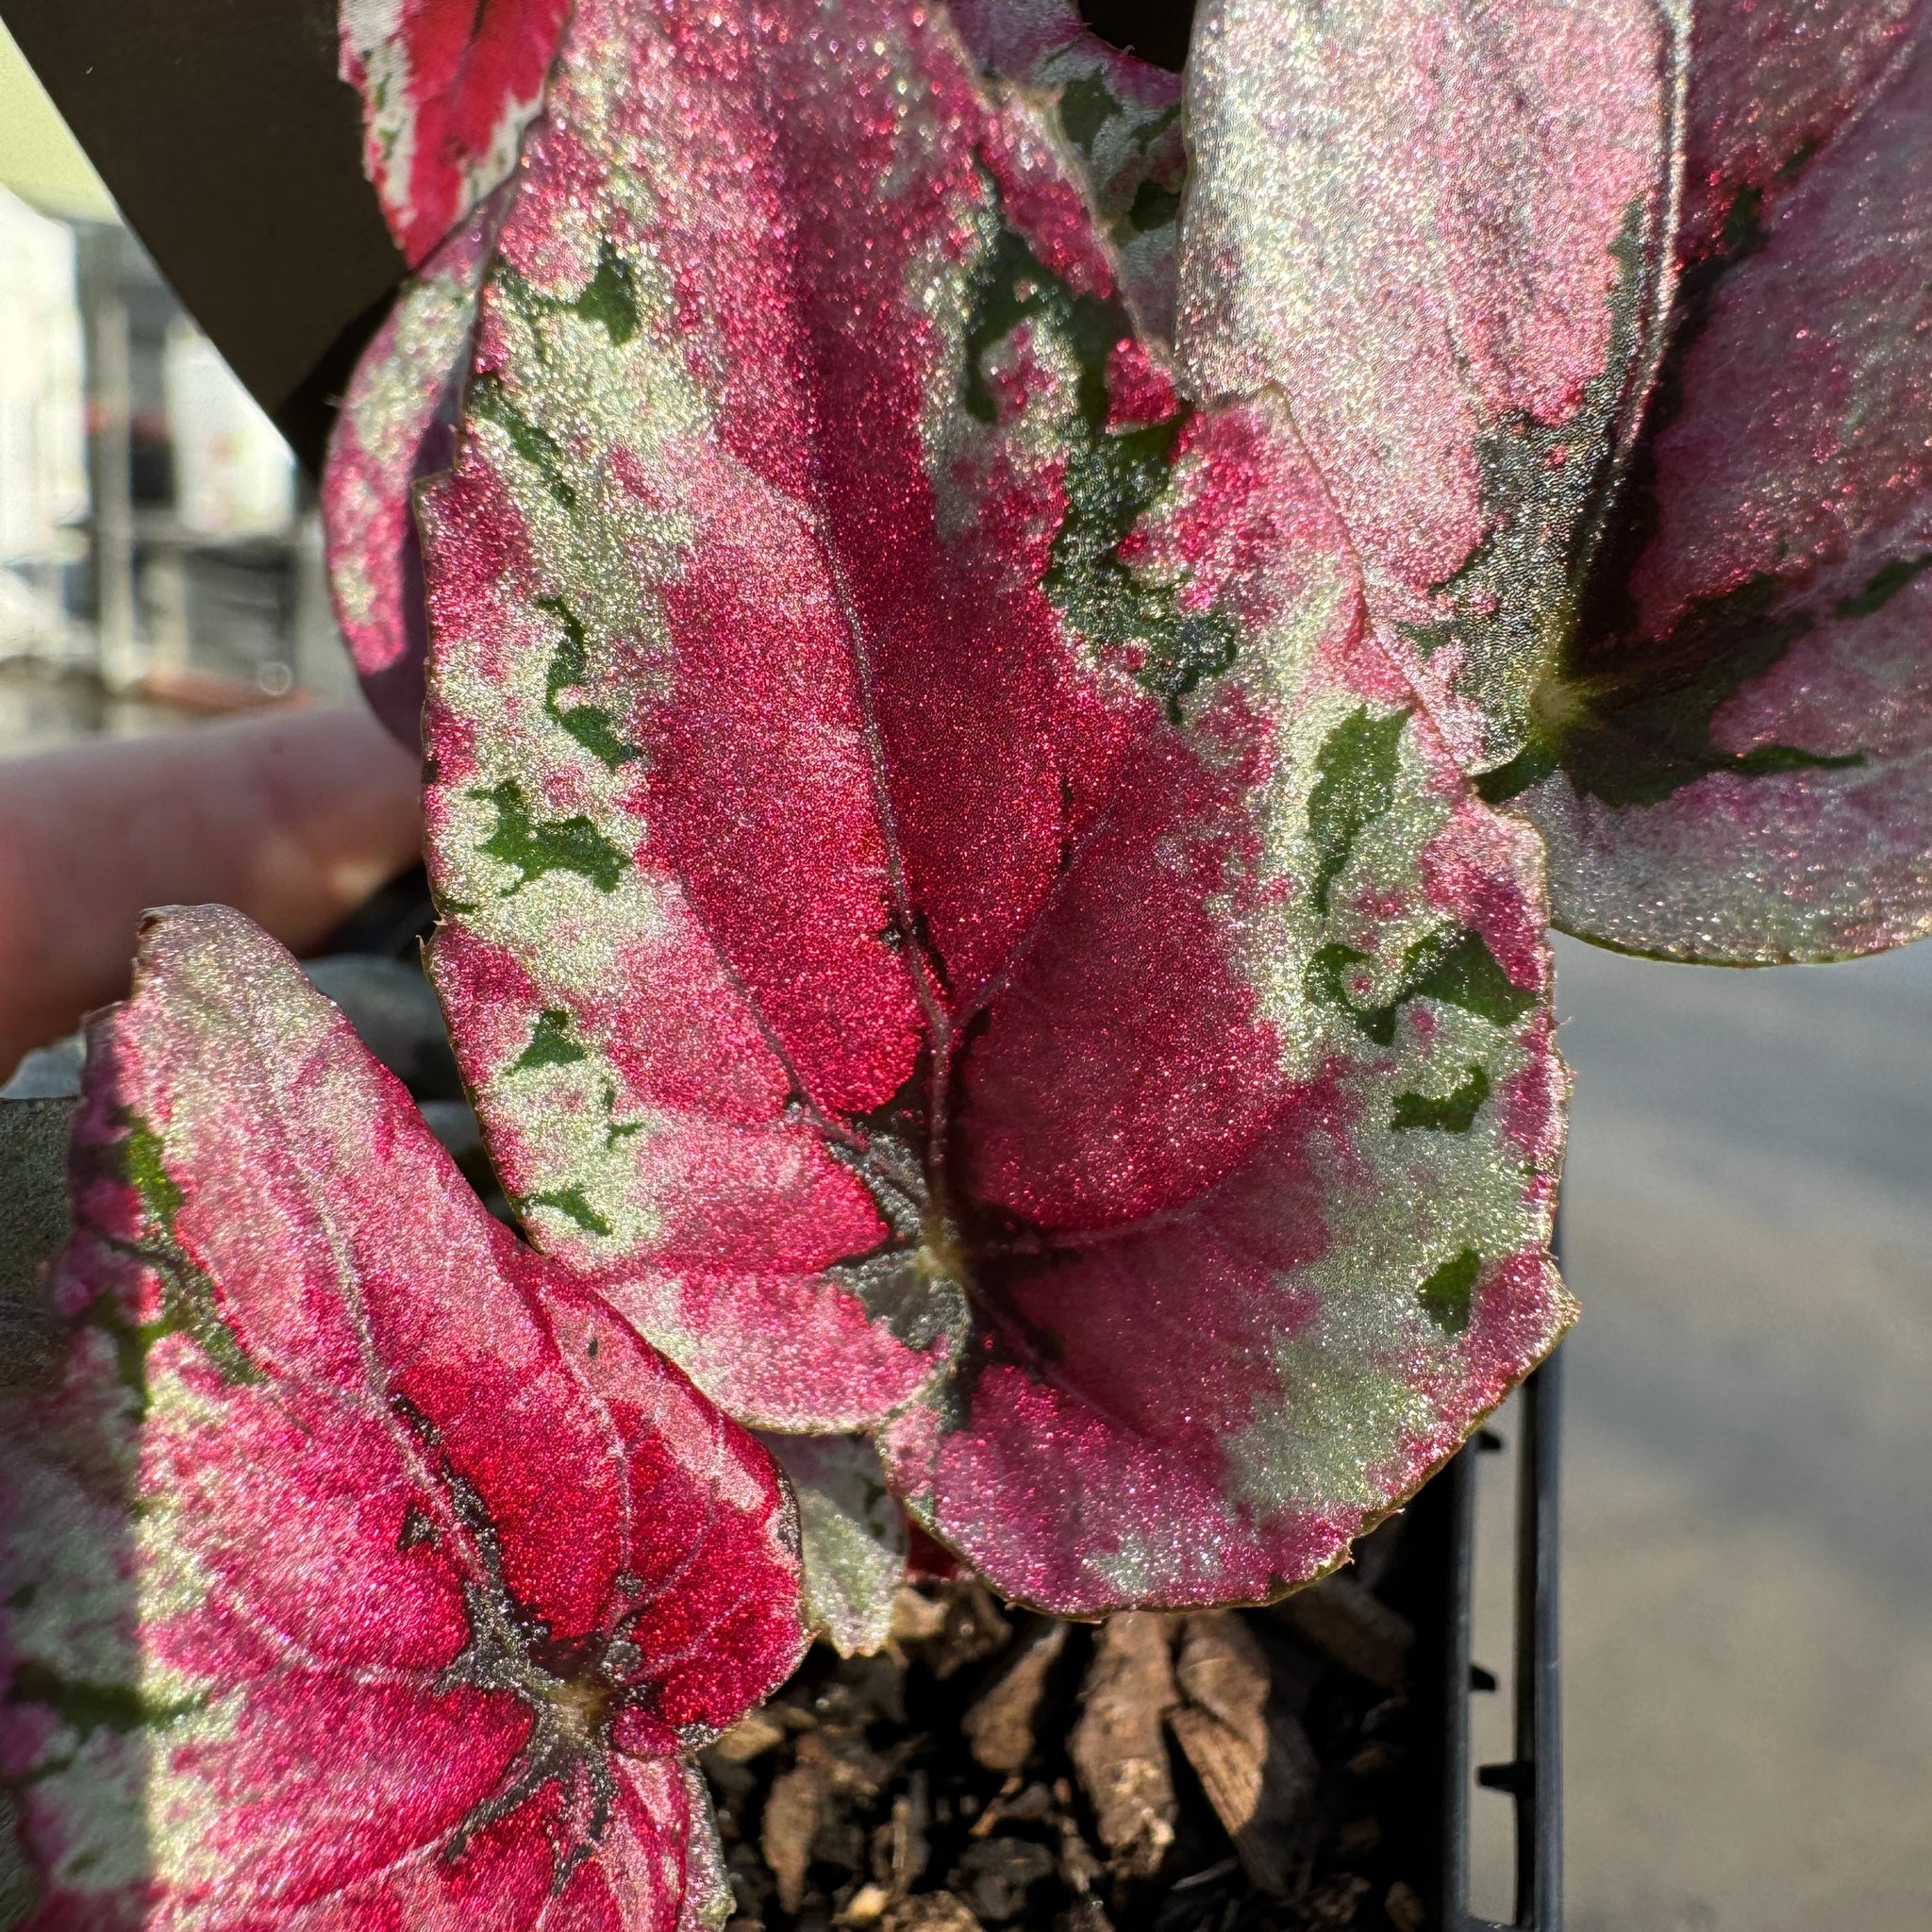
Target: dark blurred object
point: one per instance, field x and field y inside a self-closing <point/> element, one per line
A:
<point x="396" y="1011"/>
<point x="392" y="921"/>
<point x="235" y="153"/>
<point x="1157" y="30"/>
<point x="33" y="1224"/>
<point x="1533" y="1778"/>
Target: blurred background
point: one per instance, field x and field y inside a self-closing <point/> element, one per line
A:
<point x="1747" y="1519"/>
<point x="1748" y="1516"/>
<point x="160" y="554"/>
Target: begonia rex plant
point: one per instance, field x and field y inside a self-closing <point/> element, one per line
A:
<point x="1010" y="654"/>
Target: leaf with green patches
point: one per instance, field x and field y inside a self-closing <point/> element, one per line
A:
<point x="589" y="724"/>
<point x="1735" y="758"/>
<point x="535" y="847"/>
<point x="447" y="88"/>
<point x="1454" y="1113"/>
<point x="550" y="1044"/>
<point x="1121" y="116"/>
<point x="1354" y="785"/>
<point x="1033" y="890"/>
<point x="1637" y="464"/>
<point x="581" y="1570"/>
<point x="1441" y="226"/>
<point x="1447" y="1293"/>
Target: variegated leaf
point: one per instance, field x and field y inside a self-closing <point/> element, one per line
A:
<point x="1123" y="118"/>
<point x="852" y="1532"/>
<point x="1771" y="81"/>
<point x="396" y="426"/>
<point x="1734" y="760"/>
<point x="948" y="921"/>
<point x="447" y="87"/>
<point x="1440" y="227"/>
<point x="362" y="1571"/>
<point x="1693" y="654"/>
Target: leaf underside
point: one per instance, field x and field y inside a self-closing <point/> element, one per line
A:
<point x="950" y="920"/>
<point x="360" y="1570"/>
<point x="1609" y="337"/>
<point x="852" y="1535"/>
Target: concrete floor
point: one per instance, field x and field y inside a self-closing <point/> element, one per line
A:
<point x="1748" y="1515"/>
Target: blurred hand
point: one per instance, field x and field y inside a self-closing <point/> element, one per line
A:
<point x="294" y="817"/>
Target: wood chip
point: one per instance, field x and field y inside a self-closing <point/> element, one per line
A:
<point x="996" y="1874"/>
<point x="1335" y="1901"/>
<point x="974" y="1630"/>
<point x="866" y="1907"/>
<point x="850" y="1766"/>
<point x="1085" y="1915"/>
<point x="753" y="1735"/>
<point x="793" y="1815"/>
<point x="907" y="1847"/>
<point x="917" y="1617"/>
<point x="999" y="1725"/>
<point x="1363" y="1634"/>
<point x="1118" y="1748"/>
<point x="1405" y="1908"/>
<point x="1253" y="1759"/>
<point x="931" y="1911"/>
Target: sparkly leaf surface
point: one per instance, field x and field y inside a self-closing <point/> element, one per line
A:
<point x="1641" y="490"/>
<point x="1120" y="117"/>
<point x="447" y="87"/>
<point x="359" y="1571"/>
<point x="1736" y="757"/>
<point x="397" y="425"/>
<point x="852" y="1532"/>
<point x="950" y="923"/>
<point x="1440" y="228"/>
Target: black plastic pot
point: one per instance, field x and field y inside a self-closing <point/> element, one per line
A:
<point x="1534" y="1777"/>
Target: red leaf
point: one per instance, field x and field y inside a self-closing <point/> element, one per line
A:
<point x="447" y="88"/>
<point x="948" y="920"/>
<point x="435" y="1574"/>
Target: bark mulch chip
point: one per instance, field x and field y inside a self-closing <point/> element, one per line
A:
<point x="1226" y="1771"/>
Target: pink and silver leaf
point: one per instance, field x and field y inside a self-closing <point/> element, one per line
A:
<point x="950" y="923"/>
<point x="1441" y="228"/>
<point x="360" y="1570"/>
<point x="1681" y="625"/>
<point x="1734" y="757"/>
<point x="395" y="427"/>
<point x="1122" y="118"/>
<point x="447" y="87"/>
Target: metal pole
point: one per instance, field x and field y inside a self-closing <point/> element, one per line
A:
<point x="110" y="408"/>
